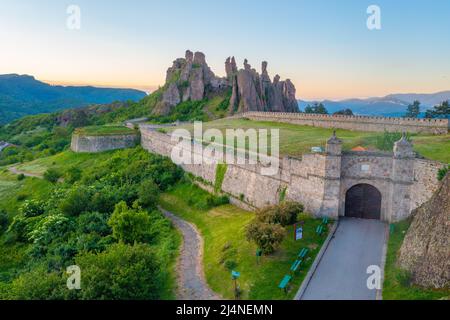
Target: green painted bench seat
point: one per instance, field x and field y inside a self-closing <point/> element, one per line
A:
<point x="303" y="253"/>
<point x="296" y="265"/>
<point x="284" y="283"/>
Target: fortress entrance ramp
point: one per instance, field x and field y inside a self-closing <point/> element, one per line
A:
<point x="342" y="271"/>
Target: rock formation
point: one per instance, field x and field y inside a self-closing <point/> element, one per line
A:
<point x="425" y="252"/>
<point x="190" y="78"/>
<point x="254" y="92"/>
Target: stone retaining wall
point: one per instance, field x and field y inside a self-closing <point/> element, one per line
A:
<point x="82" y="143"/>
<point x="356" y="123"/>
<point x="319" y="181"/>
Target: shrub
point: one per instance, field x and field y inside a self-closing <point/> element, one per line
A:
<point x="404" y="278"/>
<point x="51" y="227"/>
<point x="214" y="201"/>
<point x="122" y="272"/>
<point x="21" y="177"/>
<point x="148" y="193"/>
<point x="32" y="208"/>
<point x="443" y="172"/>
<point x="4" y="221"/>
<point x="93" y="222"/>
<point x="52" y="175"/>
<point x="130" y="225"/>
<point x="77" y="201"/>
<point x="73" y="175"/>
<point x="266" y="236"/>
<point x="284" y="214"/>
<point x="230" y="264"/>
<point x="38" y="284"/>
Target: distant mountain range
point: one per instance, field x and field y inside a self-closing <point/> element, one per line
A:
<point x="392" y="105"/>
<point x="22" y="95"/>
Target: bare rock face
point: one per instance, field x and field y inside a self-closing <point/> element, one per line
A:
<point x="190" y="78"/>
<point x="425" y="252"/>
<point x="254" y="92"/>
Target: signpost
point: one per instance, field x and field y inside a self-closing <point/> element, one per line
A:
<point x="298" y="231"/>
<point x="234" y="276"/>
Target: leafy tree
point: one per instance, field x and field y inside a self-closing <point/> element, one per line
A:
<point x="317" y="108"/>
<point x="130" y="225"/>
<point x="122" y="272"/>
<point x="148" y="194"/>
<point x="441" y="111"/>
<point x="52" y="227"/>
<point x="267" y="236"/>
<point x="344" y="112"/>
<point x="413" y="110"/>
<point x="52" y="175"/>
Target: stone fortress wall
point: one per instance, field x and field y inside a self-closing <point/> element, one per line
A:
<point x="357" y="123"/>
<point x="94" y="144"/>
<point x="321" y="180"/>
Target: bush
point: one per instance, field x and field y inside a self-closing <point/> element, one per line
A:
<point x="214" y="201"/>
<point x="93" y="222"/>
<point x="21" y="177"/>
<point x="37" y="284"/>
<point x="32" y="208"/>
<point x="52" y="175"/>
<point x="284" y="214"/>
<point x="73" y="175"/>
<point x="148" y="193"/>
<point x="4" y="221"/>
<point x="122" y="272"/>
<point x="443" y="172"/>
<point x="77" y="201"/>
<point x="50" y="228"/>
<point x="266" y="236"/>
<point x="130" y="225"/>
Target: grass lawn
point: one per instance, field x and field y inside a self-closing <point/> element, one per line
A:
<point x="396" y="285"/>
<point x="223" y="231"/>
<point x="62" y="161"/>
<point x="104" y="130"/>
<point x="296" y="140"/>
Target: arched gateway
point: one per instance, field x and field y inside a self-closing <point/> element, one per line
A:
<point x="363" y="201"/>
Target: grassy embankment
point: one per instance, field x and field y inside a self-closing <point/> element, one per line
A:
<point x="296" y="140"/>
<point x="396" y="283"/>
<point x="108" y="130"/>
<point x="223" y="230"/>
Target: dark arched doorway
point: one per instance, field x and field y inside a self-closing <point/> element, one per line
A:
<point x="363" y="201"/>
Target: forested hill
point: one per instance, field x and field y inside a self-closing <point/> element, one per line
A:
<point x="22" y="95"/>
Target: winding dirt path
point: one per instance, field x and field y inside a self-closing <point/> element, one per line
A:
<point x="14" y="170"/>
<point x="191" y="279"/>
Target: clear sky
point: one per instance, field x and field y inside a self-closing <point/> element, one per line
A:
<point x="324" y="46"/>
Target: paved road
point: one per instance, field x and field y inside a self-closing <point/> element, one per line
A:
<point x="191" y="280"/>
<point x="341" y="274"/>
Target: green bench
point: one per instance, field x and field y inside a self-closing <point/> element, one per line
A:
<point x="296" y="265"/>
<point x="325" y="220"/>
<point x="284" y="283"/>
<point x="320" y="230"/>
<point x="303" y="253"/>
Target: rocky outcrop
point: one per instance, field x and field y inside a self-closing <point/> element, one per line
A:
<point x="254" y="92"/>
<point x="425" y="252"/>
<point x="190" y="78"/>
